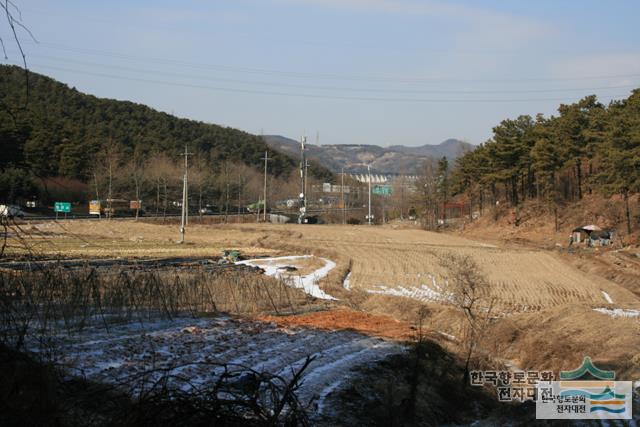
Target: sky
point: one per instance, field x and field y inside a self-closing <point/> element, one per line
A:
<point x="382" y="72"/>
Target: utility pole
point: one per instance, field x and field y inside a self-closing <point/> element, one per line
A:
<point x="344" y="211"/>
<point x="184" y="217"/>
<point x="264" y="208"/>
<point x="239" y="196"/>
<point x="303" y="186"/>
<point x="306" y="180"/>
<point x="369" y="179"/>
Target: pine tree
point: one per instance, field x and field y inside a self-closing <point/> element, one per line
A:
<point x="620" y="153"/>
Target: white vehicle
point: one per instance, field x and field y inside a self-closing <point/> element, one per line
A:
<point x="11" y="211"/>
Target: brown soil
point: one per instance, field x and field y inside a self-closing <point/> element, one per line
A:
<point x="619" y="263"/>
<point x="558" y="328"/>
<point x="368" y="324"/>
<point x="536" y="222"/>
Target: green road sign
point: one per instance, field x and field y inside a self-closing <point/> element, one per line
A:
<point x="62" y="207"/>
<point x="382" y="190"/>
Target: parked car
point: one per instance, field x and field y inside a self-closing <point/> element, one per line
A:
<point x="208" y="210"/>
<point x="11" y="211"/>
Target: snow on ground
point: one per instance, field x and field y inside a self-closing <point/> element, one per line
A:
<point x="347" y="282"/>
<point x="618" y="312"/>
<point x="425" y="292"/>
<point x="274" y="267"/>
<point x="449" y="336"/>
<point x="607" y="297"/>
<point x="192" y="349"/>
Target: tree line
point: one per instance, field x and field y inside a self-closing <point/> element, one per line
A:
<point x="53" y="130"/>
<point x="587" y="147"/>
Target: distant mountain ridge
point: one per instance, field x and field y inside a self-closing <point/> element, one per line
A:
<point x="396" y="159"/>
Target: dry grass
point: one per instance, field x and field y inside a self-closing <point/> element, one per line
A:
<point x="547" y="303"/>
<point x="558" y="338"/>
<point x="45" y="302"/>
<point x="521" y="280"/>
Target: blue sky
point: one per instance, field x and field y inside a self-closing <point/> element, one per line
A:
<point x="383" y="72"/>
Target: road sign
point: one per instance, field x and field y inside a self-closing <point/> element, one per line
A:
<point x="62" y="207"/>
<point x="382" y="190"/>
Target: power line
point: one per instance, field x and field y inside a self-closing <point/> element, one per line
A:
<point x="317" y="96"/>
<point x="332" y="76"/>
<point x="335" y="88"/>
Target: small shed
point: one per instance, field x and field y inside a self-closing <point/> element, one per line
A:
<point x="592" y="235"/>
<point x="601" y="238"/>
<point x="582" y="234"/>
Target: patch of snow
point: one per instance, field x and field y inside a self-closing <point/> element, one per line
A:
<point x="347" y="282"/>
<point x="487" y="245"/>
<point x="309" y="282"/>
<point x="425" y="292"/>
<point x="191" y="351"/>
<point x="607" y="297"/>
<point x="449" y="336"/>
<point x="326" y="392"/>
<point x="618" y="312"/>
<point x="327" y="371"/>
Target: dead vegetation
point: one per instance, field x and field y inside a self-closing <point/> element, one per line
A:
<point x="536" y="222"/>
<point x="530" y="307"/>
<point x="38" y="306"/>
<point x="46" y="301"/>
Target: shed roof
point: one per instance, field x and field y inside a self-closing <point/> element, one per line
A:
<point x="588" y="228"/>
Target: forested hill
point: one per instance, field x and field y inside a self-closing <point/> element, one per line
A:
<point x="587" y="147"/>
<point x="58" y="131"/>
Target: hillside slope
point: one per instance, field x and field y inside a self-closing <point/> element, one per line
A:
<point x="398" y="159"/>
<point x="57" y="131"/>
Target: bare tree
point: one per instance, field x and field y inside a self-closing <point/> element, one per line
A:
<point x="224" y="183"/>
<point x="199" y="175"/>
<point x="14" y="21"/>
<point x="136" y="171"/>
<point x="240" y="185"/>
<point x="426" y="193"/>
<point x="108" y="163"/>
<point x="162" y="171"/>
<point x="469" y="292"/>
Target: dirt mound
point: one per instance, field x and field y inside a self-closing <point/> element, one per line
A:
<point x="369" y="324"/>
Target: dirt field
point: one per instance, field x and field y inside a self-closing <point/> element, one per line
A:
<point x="387" y="261"/>
<point x="393" y="272"/>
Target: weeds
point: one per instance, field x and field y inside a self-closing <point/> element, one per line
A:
<point x="48" y="301"/>
<point x="38" y="306"/>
